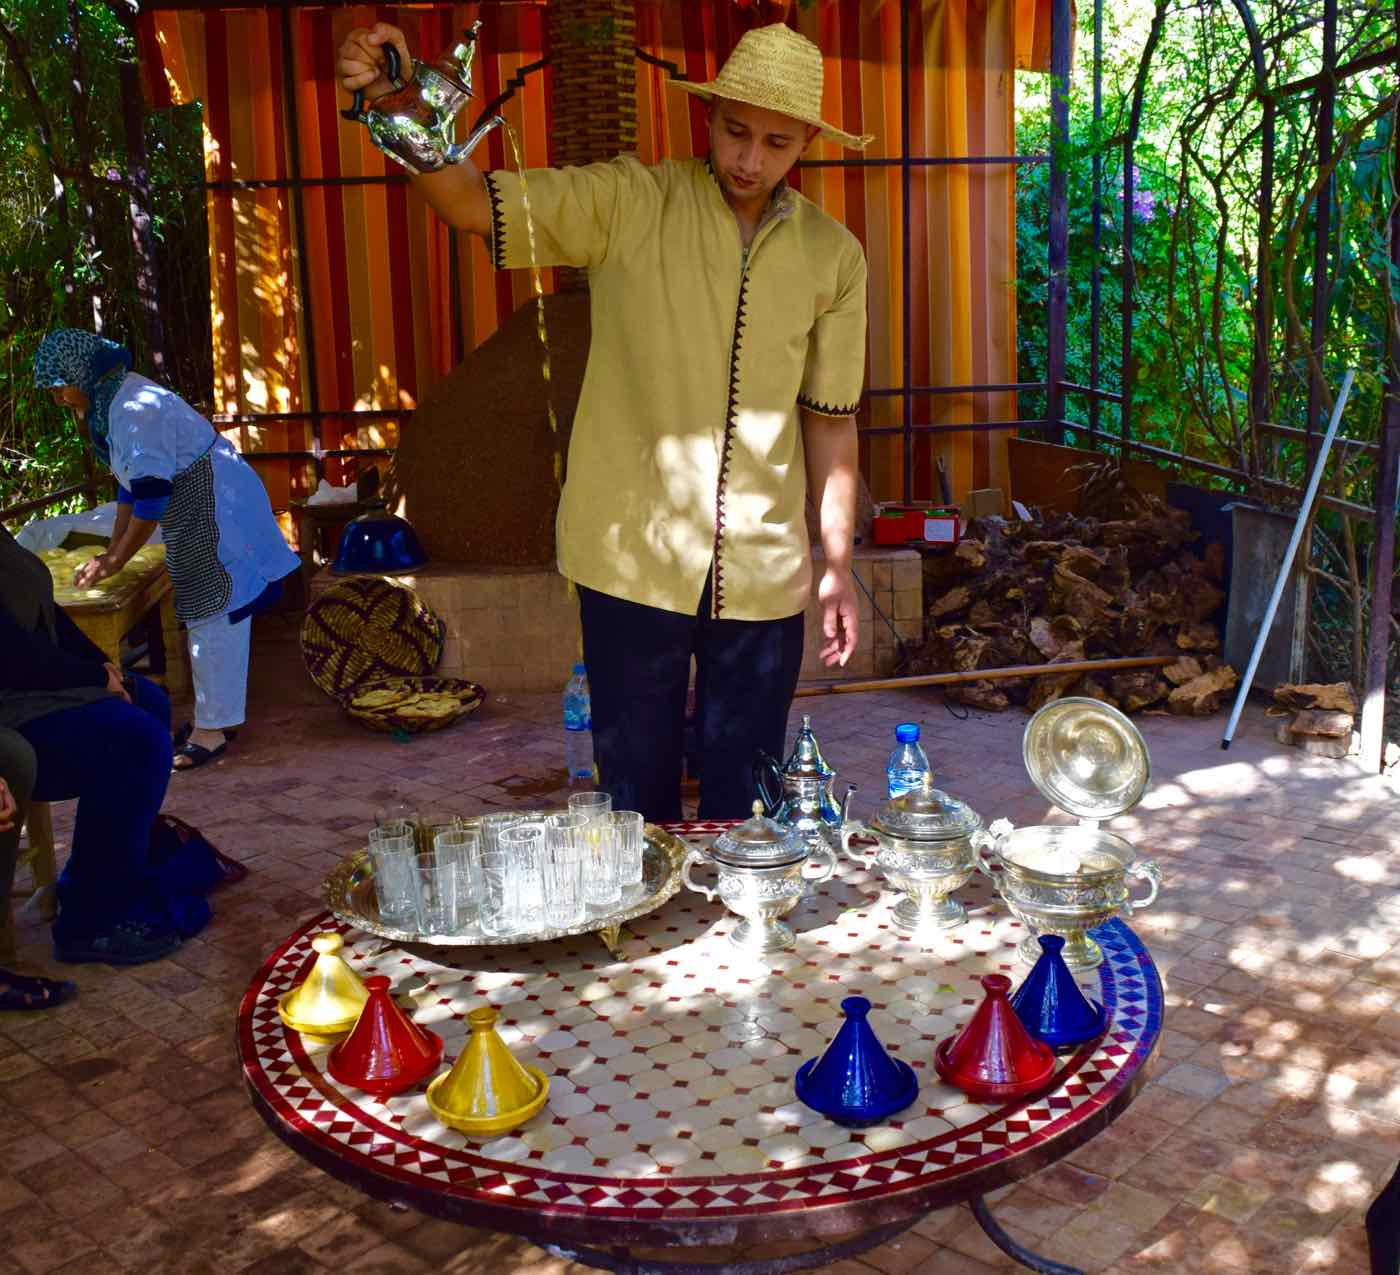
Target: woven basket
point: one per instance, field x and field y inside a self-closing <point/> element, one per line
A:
<point x="365" y="630"/>
<point x="396" y="718"/>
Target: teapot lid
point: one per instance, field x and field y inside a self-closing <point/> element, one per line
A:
<point x="1086" y="757"/>
<point x="807" y="761"/>
<point x="759" y="842"/>
<point x="928" y="814"/>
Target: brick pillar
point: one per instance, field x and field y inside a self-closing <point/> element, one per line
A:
<point x="594" y="107"/>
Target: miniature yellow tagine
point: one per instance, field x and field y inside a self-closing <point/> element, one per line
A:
<point x="488" y="1090"/>
<point x="327" y="1002"/>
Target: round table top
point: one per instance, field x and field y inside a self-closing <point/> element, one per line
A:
<point x="671" y="1115"/>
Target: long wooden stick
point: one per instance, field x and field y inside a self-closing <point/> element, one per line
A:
<point x="987" y="675"/>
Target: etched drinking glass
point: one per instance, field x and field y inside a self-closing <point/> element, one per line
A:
<point x="461" y="847"/>
<point x="391" y="853"/>
<point x="438" y="894"/>
<point x="600" y="884"/>
<point x="525" y="845"/>
<point x="566" y="860"/>
<point x="628" y="832"/>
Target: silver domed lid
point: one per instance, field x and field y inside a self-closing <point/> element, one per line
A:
<point x="927" y="814"/>
<point x="807" y="761"/>
<point x="1086" y="758"/>
<point x="759" y="842"/>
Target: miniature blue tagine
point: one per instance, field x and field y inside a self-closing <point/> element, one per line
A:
<point x="1051" y="1003"/>
<point x="856" y="1082"/>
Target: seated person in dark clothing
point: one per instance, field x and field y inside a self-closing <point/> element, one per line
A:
<point x="17" y="770"/>
<point x="101" y="740"/>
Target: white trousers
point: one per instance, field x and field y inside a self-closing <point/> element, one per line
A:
<point x="219" y="666"/>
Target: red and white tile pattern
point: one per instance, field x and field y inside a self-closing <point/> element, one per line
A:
<point x="671" y="1072"/>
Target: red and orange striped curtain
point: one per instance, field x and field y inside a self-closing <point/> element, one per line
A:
<point x="394" y="299"/>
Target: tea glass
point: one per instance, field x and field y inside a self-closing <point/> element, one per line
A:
<point x="627" y="831"/>
<point x="526" y="847"/>
<point x="567" y="859"/>
<point x="601" y="888"/>
<point x="462" y="847"/>
<point x="438" y="894"/>
<point x="391" y="852"/>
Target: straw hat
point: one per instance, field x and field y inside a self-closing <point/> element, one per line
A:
<point x="779" y="70"/>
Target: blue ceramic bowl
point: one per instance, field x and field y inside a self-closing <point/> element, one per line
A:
<point x="378" y="541"/>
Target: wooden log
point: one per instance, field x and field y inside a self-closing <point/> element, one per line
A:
<point x="982" y="675"/>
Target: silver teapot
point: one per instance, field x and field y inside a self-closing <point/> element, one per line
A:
<point x="799" y="794"/>
<point x="414" y="123"/>
<point x="763" y="876"/>
<point x="926" y="851"/>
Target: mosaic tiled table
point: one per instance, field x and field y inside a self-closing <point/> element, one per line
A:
<point x="671" y="1117"/>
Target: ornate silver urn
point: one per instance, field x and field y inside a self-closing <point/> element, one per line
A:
<point x="799" y="794"/>
<point x="763" y="874"/>
<point x="414" y="123"/>
<point x="926" y="851"/>
<point x="1089" y="760"/>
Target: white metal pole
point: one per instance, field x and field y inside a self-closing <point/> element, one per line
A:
<point x="1304" y="511"/>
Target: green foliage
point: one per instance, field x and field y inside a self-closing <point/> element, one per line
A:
<point x="66" y="227"/>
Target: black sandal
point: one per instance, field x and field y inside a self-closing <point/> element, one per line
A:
<point x="20" y="992"/>
<point x="198" y="755"/>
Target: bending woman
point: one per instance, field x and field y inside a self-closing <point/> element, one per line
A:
<point x="223" y="548"/>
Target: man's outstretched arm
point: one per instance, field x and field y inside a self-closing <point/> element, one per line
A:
<point x="456" y="192"/>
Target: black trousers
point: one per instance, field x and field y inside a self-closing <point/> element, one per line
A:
<point x="638" y="660"/>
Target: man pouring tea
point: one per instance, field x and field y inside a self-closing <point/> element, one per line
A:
<point x="724" y="371"/>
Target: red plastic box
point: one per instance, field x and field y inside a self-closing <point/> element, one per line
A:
<point x="926" y="524"/>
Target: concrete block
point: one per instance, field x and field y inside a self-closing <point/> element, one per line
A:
<point x="909" y="573"/>
<point x="908" y="604"/>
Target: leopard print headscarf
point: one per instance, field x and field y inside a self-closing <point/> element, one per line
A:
<point x="70" y="356"/>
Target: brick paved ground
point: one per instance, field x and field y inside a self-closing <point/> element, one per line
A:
<point x="1273" y="1115"/>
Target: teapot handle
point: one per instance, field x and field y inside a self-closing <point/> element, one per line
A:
<point x="1148" y="870"/>
<point x="691" y="859"/>
<point x="392" y="66"/>
<point x="768" y="779"/>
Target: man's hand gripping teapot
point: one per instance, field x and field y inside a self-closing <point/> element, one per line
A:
<point x="414" y="123"/>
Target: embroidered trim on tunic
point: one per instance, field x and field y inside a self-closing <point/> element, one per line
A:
<point x="203" y="586"/>
<point x="727" y="446"/>
<point x="826" y="409"/>
<point x="498" y="224"/>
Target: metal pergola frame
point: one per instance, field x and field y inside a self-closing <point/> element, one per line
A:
<point x="1053" y="423"/>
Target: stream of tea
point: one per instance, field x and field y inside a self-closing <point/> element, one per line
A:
<point x="537" y="283"/>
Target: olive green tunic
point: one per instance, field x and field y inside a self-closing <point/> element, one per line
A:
<point x="687" y="444"/>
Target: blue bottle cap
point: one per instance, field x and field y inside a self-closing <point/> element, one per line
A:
<point x="907" y="733"/>
<point x="580" y="668"/>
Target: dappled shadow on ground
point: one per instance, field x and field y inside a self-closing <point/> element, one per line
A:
<point x="1272" y="1117"/>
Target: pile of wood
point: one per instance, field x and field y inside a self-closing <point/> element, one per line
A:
<point x="1118" y="579"/>
<point x="1321" y="719"/>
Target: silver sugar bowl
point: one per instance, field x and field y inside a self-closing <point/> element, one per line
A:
<point x="1089" y="760"/>
<point x="926" y="852"/>
<point x="763" y="874"/>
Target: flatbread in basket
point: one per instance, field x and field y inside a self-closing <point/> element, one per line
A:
<point x="412" y="705"/>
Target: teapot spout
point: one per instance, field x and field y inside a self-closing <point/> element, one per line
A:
<point x="846" y="804"/>
<point x="456" y="153"/>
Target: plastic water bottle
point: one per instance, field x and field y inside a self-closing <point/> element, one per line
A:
<point x="908" y="763"/>
<point x="578" y="728"/>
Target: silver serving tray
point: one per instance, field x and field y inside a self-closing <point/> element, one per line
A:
<point x="349" y="893"/>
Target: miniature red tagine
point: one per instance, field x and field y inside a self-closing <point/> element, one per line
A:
<point x="994" y="1058"/>
<point x="386" y="1052"/>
